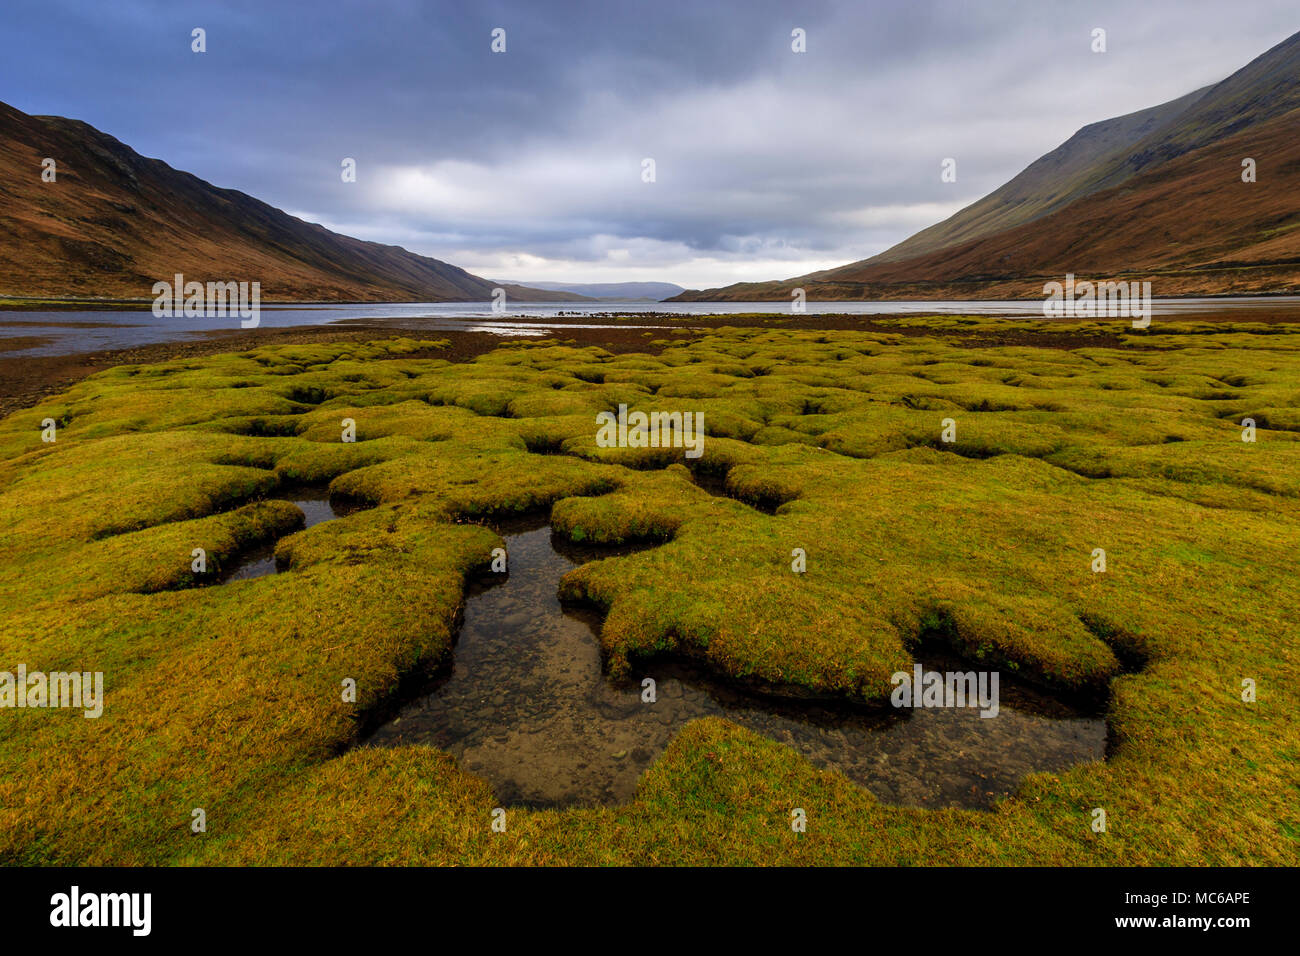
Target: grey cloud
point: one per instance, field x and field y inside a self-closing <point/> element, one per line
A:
<point x="764" y="156"/>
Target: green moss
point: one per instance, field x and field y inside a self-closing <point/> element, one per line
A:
<point x="228" y="697"/>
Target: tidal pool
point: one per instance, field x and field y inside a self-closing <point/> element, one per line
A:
<point x="316" y="508"/>
<point x="527" y="706"/>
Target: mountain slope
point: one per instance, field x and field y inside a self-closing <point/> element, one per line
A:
<point x="1157" y="193"/>
<point x="114" y="222"/>
<point x="1051" y="182"/>
<point x="622" y="291"/>
<point x="1191" y="226"/>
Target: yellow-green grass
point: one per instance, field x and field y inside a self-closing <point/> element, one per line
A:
<point x="228" y="697"/>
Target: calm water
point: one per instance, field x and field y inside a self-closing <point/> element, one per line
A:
<point x="71" y="332"/>
<point x="527" y="704"/>
<point x="528" y="707"/>
<point x="316" y="508"/>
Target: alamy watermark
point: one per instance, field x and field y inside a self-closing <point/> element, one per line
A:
<point x="1090" y="300"/>
<point x="129" y="910"/>
<point x="926" y="689"/>
<point x="651" y="430"/>
<point x="78" y="690"/>
<point x="212" y="301"/>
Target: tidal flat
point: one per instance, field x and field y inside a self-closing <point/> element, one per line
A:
<point x="229" y="694"/>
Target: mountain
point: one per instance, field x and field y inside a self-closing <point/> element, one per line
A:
<point x="622" y="291"/>
<point x="113" y="223"/>
<point x="1156" y="194"/>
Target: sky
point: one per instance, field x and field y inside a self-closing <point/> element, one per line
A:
<point x="529" y="164"/>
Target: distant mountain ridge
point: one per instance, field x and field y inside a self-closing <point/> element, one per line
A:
<point x="625" y="291"/>
<point x="1158" y="193"/>
<point x="114" y="222"/>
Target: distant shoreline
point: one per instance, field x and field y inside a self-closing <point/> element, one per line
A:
<point x="14" y="303"/>
<point x="25" y="379"/>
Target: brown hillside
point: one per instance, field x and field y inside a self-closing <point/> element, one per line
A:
<point x="1191" y="225"/>
<point x="114" y="222"/>
<point x="1156" y="194"/>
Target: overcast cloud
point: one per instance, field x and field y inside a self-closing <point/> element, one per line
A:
<point x="527" y="165"/>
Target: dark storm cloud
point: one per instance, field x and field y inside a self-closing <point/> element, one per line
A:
<point x="527" y="164"/>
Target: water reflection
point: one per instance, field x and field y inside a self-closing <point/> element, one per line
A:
<point x="527" y="706"/>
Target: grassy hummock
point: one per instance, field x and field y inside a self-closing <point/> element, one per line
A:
<point x="228" y="696"/>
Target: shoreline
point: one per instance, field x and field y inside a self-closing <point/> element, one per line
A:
<point x="25" y="380"/>
<point x="21" y="303"/>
